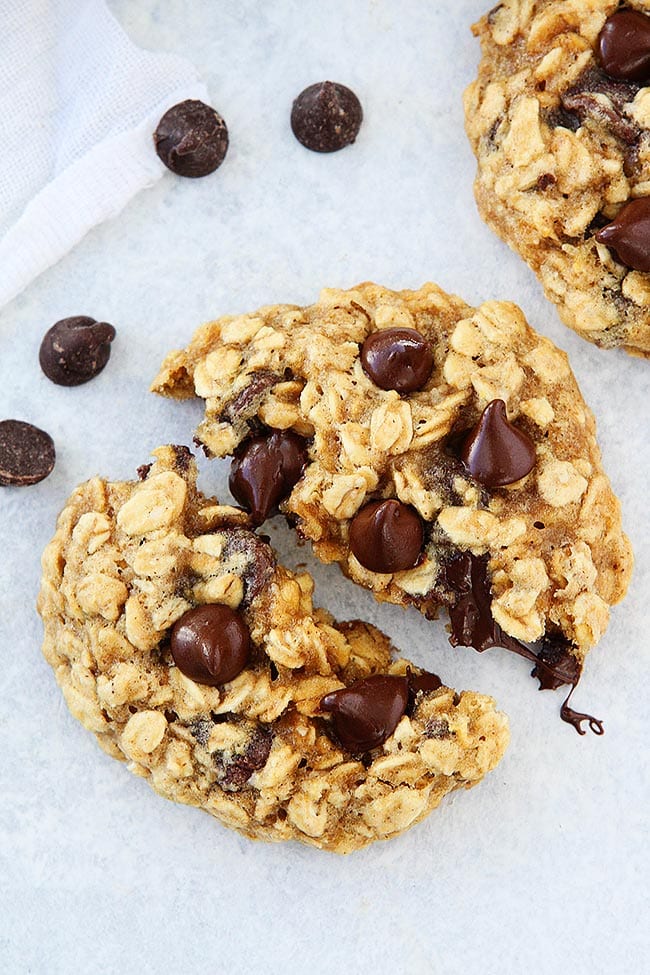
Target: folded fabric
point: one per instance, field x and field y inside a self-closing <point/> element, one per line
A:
<point x="79" y="103"/>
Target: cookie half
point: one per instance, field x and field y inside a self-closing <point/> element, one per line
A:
<point x="559" y="120"/>
<point x="193" y="656"/>
<point x="441" y="454"/>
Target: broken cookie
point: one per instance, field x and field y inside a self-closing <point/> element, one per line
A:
<point x="559" y="120"/>
<point x="450" y="460"/>
<point x="197" y="659"/>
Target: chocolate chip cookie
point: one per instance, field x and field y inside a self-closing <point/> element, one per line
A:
<point x="193" y="656"/>
<point x="559" y="120"/>
<point x="441" y="454"/>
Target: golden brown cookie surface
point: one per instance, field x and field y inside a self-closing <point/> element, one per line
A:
<point x="560" y="124"/>
<point x="535" y="551"/>
<point x="131" y="562"/>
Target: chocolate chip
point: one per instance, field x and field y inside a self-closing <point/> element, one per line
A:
<point x="210" y="644"/>
<point x="75" y="350"/>
<point x="629" y="235"/>
<point x="387" y="536"/>
<point x="367" y="712"/>
<point x="496" y="452"/>
<point x="191" y="139"/>
<point x="624" y="46"/>
<point x="326" y="117"/>
<point x="397" y="358"/>
<point x="265" y="469"/>
<point x="420" y="684"/>
<point x="27" y="454"/>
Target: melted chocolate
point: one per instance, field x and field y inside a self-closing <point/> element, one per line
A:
<point x="472" y="625"/>
<point x="583" y="100"/>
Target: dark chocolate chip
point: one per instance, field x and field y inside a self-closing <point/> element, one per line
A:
<point x="387" y="536"/>
<point x="496" y="452"/>
<point x="210" y="644"/>
<point x="265" y="469"/>
<point x="191" y="139"/>
<point x="247" y="401"/>
<point x="629" y="235"/>
<point x="237" y="770"/>
<point x="326" y="117"/>
<point x="420" y="684"/>
<point x="27" y="454"/>
<point x="624" y="46"/>
<point x="397" y="358"/>
<point x="75" y="350"/>
<point x="603" y="99"/>
<point x="258" y="556"/>
<point x="367" y="712"/>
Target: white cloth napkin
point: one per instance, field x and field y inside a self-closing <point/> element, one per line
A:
<point x="78" y="106"/>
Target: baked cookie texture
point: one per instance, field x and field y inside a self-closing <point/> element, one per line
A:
<point x="561" y="148"/>
<point x="549" y="547"/>
<point x="128" y="560"/>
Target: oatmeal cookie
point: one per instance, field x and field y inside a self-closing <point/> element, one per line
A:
<point x="441" y="454"/>
<point x="559" y="120"/>
<point x="197" y="659"/>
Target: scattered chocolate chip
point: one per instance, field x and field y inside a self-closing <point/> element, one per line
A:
<point x="397" y="358"/>
<point x="27" y="454"/>
<point x="629" y="235"/>
<point x="597" y="96"/>
<point x="326" y="117"/>
<point x="367" y="712"/>
<point x="265" y="469"/>
<point x="387" y="536"/>
<point x="210" y="644"/>
<point x="75" y="350"/>
<point x="624" y="46"/>
<point x="191" y="139"/>
<point x="143" y="471"/>
<point x="496" y="453"/>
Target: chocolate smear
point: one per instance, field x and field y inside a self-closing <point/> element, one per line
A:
<point x="585" y="100"/>
<point x="472" y="625"/>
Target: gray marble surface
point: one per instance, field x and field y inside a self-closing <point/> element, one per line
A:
<point x="541" y="869"/>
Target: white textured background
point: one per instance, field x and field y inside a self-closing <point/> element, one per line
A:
<point x="542" y="868"/>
